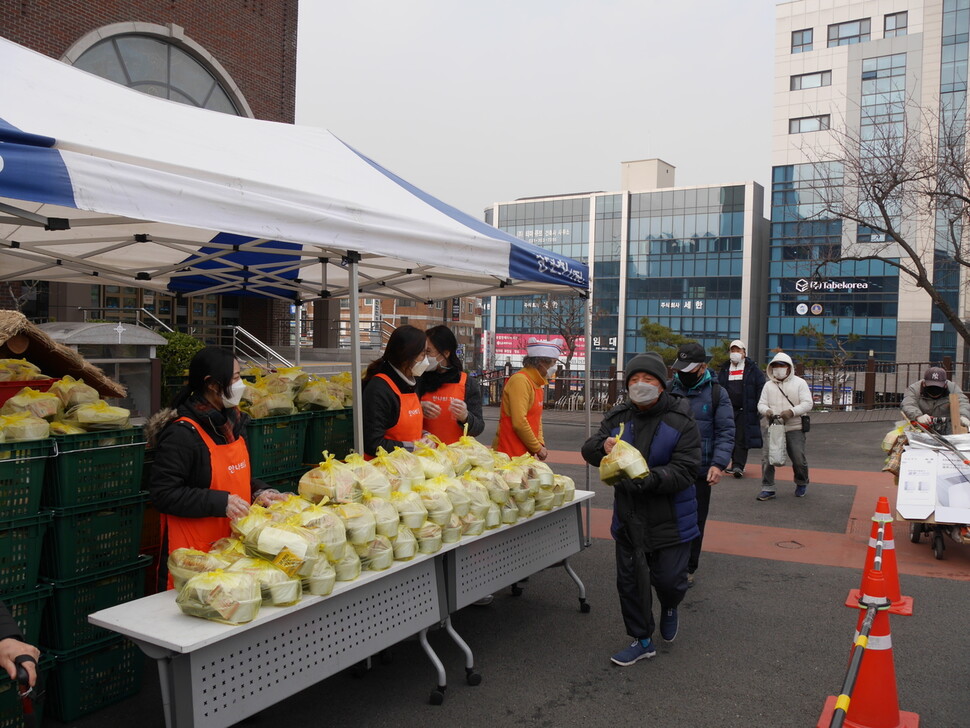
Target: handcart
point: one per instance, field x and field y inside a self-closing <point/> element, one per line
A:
<point x="937" y="531"/>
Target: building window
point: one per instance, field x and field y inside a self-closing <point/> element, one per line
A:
<point x="345" y="303"/>
<point x="895" y="24"/>
<point x="808" y="123"/>
<point x="854" y="31"/>
<point x="811" y="80"/>
<point x="801" y="41"/>
<point x="403" y="321"/>
<point x="405" y="302"/>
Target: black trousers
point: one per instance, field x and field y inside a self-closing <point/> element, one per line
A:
<point x="664" y="570"/>
<point x="740" y="456"/>
<point x="703" y="495"/>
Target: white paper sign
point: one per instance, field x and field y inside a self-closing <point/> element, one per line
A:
<point x="952" y="490"/>
<point x="916" y="498"/>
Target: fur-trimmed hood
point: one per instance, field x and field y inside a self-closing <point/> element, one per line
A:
<point x="158" y="422"/>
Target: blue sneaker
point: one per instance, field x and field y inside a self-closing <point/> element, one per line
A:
<point x="634" y="653"/>
<point x="766" y="495"/>
<point x="668" y="624"/>
<point x="800" y="491"/>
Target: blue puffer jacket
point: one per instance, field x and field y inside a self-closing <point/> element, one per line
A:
<point x="661" y="509"/>
<point x="752" y="382"/>
<point x="715" y="424"/>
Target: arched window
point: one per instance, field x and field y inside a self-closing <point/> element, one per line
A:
<point x="161" y="61"/>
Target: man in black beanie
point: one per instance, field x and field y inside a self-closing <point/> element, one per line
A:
<point x="654" y="517"/>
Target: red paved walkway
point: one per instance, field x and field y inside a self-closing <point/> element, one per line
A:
<point x="816" y="547"/>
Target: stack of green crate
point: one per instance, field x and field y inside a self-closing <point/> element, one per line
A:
<point x="91" y="562"/>
<point x="331" y="431"/>
<point x="276" y="447"/>
<point x="22" y="527"/>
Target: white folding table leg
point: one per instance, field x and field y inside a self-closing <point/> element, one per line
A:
<point x="438" y="694"/>
<point x="583" y="604"/>
<point x="472" y="677"/>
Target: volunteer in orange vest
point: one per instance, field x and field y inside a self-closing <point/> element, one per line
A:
<point x="392" y="410"/>
<point x="520" y="421"/>
<point x="450" y="399"/>
<point x="200" y="478"/>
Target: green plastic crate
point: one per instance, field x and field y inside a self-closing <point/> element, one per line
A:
<point x="287" y="482"/>
<point x="27" y="608"/>
<point x="11" y="712"/>
<point x="94" y="537"/>
<point x="330" y="430"/>
<point x="276" y="443"/>
<point x="21" y="540"/>
<point x="93" y="466"/>
<point x="66" y="625"/>
<point x="94" y="676"/>
<point x="22" y="466"/>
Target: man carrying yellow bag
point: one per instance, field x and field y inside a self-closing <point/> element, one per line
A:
<point x="655" y="516"/>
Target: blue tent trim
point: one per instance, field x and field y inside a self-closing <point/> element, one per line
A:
<point x="30" y="169"/>
<point x="248" y="258"/>
<point x="526" y="261"/>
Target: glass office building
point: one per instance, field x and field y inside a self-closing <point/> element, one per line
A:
<point x="859" y="70"/>
<point x="688" y="258"/>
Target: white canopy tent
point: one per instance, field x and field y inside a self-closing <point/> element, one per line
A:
<point x="102" y="184"/>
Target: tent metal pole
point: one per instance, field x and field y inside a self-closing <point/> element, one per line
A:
<point x="298" y="327"/>
<point x="588" y="388"/>
<point x="353" y="260"/>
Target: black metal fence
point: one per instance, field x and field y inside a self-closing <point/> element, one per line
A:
<point x="868" y="384"/>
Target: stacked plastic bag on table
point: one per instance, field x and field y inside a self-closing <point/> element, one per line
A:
<point x="19" y="370"/>
<point x="360" y="515"/>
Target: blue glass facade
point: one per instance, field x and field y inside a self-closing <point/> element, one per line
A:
<point x="683" y="254"/>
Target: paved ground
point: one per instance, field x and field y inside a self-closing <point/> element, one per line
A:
<point x="764" y="636"/>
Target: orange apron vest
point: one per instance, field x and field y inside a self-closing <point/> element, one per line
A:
<point x="507" y="441"/>
<point x="410" y="422"/>
<point x="445" y="427"/>
<point x="230" y="473"/>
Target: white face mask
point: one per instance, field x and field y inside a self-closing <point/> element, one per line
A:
<point x="736" y="357"/>
<point x="237" y="389"/>
<point x="780" y="373"/>
<point x="643" y="393"/>
<point x="420" y="367"/>
<point x="432" y="363"/>
<point x="551" y="371"/>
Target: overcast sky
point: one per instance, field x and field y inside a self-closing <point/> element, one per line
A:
<point x="488" y="101"/>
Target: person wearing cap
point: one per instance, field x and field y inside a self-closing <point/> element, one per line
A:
<point x="520" y="418"/>
<point x="785" y="398"/>
<point x="714" y="416"/>
<point x="929" y="398"/>
<point x="654" y="517"/>
<point x="743" y="380"/>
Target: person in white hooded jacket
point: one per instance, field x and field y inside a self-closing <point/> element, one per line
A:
<point x="785" y="398"/>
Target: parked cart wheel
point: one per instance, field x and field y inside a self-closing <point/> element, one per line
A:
<point x="584" y="606"/>
<point x="437" y="695"/>
<point x="471" y="677"/>
<point x="915" y="532"/>
<point x="938" y="545"/>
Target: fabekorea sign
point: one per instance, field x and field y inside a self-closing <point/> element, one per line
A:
<point x="803" y="285"/>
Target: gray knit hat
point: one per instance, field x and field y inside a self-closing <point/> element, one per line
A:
<point x="651" y="363"/>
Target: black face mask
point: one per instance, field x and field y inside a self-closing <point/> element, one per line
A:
<point x="689" y="379"/>
<point x="934" y="392"/>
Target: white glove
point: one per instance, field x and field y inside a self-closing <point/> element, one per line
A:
<point x="964" y="421"/>
<point x="925" y="420"/>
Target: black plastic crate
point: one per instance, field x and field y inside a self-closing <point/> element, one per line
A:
<point x="21" y="540"/>
<point x="94" y="466"/>
<point x="94" y="537"/>
<point x="94" y="676"/>
<point x="66" y="625"/>
<point x="287" y="482"/>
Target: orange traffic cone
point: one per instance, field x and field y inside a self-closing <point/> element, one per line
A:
<point x="874" y="702"/>
<point x="900" y="604"/>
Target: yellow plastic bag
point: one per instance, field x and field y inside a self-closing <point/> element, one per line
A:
<point x="320" y="394"/>
<point x="372" y="481"/>
<point x="479" y="455"/>
<point x="24" y="426"/>
<point x="623" y="461"/>
<point x="18" y="370"/>
<point x="73" y="391"/>
<point x="889" y="441"/>
<point x="183" y="564"/>
<point x="331" y="481"/>
<point x="100" y="416"/>
<point x="221" y="596"/>
<point x="45" y="405"/>
<point x="64" y="427"/>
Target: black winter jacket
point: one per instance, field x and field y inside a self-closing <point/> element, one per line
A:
<point x="381" y="409"/>
<point x="181" y="473"/>
<point x="8" y="627"/>
<point x="752" y="382"/>
<point x="432" y="381"/>
<point x="660" y="510"/>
